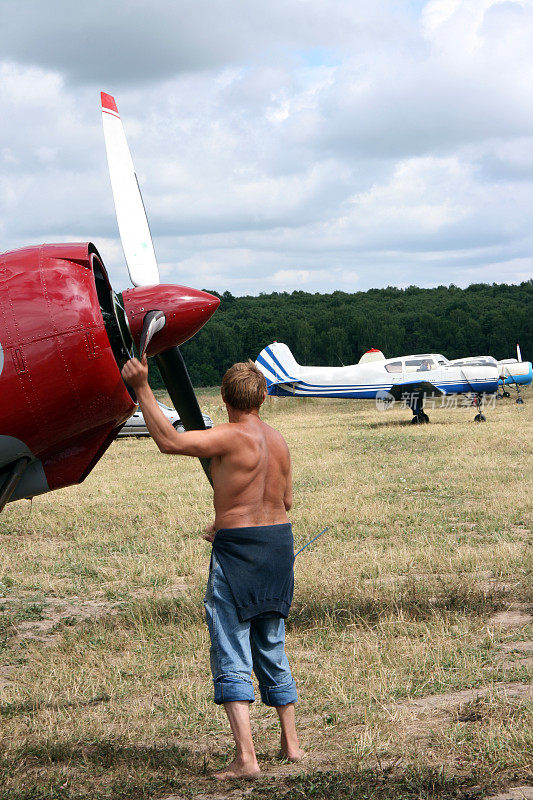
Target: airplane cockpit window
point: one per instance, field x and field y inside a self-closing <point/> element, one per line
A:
<point x="419" y="364"/>
<point x="481" y="361"/>
<point x="395" y="366"/>
<point x="484" y="362"/>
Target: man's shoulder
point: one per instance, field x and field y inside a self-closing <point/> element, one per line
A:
<point x="221" y="426"/>
<point x="275" y="436"/>
<point x="234" y="432"/>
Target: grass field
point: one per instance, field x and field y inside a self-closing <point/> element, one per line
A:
<point x="410" y="637"/>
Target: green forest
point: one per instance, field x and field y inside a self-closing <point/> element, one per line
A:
<point x="336" y="329"/>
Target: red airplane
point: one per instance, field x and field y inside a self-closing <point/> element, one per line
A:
<point x="64" y="336"/>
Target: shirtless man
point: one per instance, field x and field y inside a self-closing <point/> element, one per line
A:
<point x="251" y="580"/>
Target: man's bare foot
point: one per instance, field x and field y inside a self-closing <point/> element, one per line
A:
<point x="239" y="769"/>
<point x="292" y="755"/>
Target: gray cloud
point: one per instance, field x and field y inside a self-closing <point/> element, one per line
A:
<point x="288" y="145"/>
<point x="133" y="42"/>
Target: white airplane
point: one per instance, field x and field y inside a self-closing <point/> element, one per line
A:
<point x="512" y="371"/>
<point x="408" y="378"/>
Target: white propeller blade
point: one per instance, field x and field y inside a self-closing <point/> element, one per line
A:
<point x="131" y="215"/>
<point x="518" y="353"/>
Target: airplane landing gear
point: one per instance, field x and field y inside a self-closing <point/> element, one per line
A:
<point x="478" y="402"/>
<point x="419" y="416"/>
<point x="519" y="399"/>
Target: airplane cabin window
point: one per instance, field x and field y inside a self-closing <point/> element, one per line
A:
<point x="419" y="365"/>
<point x="396" y="366"/>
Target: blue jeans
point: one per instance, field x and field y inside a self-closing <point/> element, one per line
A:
<point x="237" y="647"/>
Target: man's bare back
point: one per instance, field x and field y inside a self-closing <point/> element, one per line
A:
<point x="250" y="461"/>
<point x="252" y="480"/>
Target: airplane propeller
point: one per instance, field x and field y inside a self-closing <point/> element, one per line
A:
<point x="159" y="316"/>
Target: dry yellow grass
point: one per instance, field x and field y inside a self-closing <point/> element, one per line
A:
<point x="105" y="687"/>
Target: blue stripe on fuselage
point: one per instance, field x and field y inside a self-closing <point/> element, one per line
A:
<point x="367" y="393"/>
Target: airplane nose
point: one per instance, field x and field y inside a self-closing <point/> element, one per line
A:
<point x="186" y="311"/>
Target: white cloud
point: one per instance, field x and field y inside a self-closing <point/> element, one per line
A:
<point x="290" y="277"/>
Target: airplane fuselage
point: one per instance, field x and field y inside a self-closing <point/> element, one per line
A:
<point x="285" y="377"/>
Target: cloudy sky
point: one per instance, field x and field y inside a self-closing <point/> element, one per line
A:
<point x="293" y="144"/>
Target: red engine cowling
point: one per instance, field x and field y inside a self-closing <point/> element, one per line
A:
<point x="62" y="398"/>
<point x="185" y="310"/>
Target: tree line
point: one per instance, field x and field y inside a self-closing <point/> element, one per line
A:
<point x="336" y="329"/>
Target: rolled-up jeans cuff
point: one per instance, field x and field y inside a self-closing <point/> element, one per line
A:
<point x="231" y="688"/>
<point x="279" y="695"/>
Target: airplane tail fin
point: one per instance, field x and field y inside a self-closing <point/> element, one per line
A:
<point x="278" y="364"/>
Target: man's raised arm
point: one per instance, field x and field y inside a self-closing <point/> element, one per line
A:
<point x="202" y="444"/>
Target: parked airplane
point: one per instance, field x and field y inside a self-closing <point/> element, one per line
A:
<point x="512" y="371"/>
<point x="64" y="336"/>
<point x="409" y="378"/>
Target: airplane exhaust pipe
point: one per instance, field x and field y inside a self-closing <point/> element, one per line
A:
<point x="12" y="480"/>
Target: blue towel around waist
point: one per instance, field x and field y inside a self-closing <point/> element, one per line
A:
<point x="258" y="565"/>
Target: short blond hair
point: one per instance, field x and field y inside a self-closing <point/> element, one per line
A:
<point x="244" y="386"/>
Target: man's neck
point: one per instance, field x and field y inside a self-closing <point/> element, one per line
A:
<point x="236" y="415"/>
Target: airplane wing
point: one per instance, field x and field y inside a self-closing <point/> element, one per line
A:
<point x="416" y="387"/>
